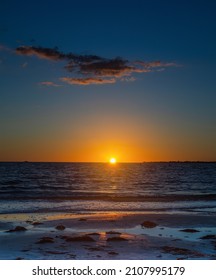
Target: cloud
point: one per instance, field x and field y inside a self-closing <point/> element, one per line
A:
<point x="154" y="64"/>
<point x="40" y="52"/>
<point x="4" y="48"/>
<point x="55" y="54"/>
<point x="116" y="67"/>
<point x="24" y="65"/>
<point x="48" y="83"/>
<point x="94" y="69"/>
<point x="128" y="79"/>
<point x="87" y="81"/>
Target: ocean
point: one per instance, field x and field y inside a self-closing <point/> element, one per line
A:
<point x="172" y="187"/>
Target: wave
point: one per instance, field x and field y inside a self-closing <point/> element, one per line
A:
<point x="107" y="197"/>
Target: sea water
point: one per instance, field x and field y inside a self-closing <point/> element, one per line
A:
<point x="27" y="187"/>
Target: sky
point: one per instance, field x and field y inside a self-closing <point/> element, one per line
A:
<point x="84" y="81"/>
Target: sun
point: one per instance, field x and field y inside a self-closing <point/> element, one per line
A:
<point x="112" y="161"/>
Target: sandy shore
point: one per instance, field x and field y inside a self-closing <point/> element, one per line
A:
<point x="107" y="236"/>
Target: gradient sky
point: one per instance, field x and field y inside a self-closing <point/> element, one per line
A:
<point x="88" y="80"/>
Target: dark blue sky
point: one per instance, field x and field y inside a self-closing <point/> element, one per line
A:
<point x="164" y="110"/>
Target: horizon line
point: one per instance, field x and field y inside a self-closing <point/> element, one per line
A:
<point x="157" y="161"/>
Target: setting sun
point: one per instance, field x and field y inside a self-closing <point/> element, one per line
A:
<point x="112" y="161"/>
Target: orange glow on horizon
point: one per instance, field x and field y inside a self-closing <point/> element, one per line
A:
<point x="102" y="140"/>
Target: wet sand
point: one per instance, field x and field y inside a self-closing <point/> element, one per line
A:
<point x="107" y="236"/>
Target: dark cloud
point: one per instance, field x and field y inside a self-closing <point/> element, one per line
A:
<point x="116" y="67"/>
<point x="55" y="54"/>
<point x="44" y="53"/>
<point x="94" y="69"/>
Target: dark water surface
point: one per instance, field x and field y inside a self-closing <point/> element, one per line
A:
<point x="79" y="187"/>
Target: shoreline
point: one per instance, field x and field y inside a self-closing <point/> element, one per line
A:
<point x="107" y="236"/>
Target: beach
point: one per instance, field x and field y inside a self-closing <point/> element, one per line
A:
<point x="96" y="211"/>
<point x="112" y="235"/>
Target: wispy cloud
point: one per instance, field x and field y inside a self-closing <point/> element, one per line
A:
<point x="49" y="84"/>
<point x="4" y="48"/>
<point x="24" y="65"/>
<point x="94" y="69"/>
<point x="154" y="64"/>
<point x="128" y="79"/>
<point x="87" y="81"/>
